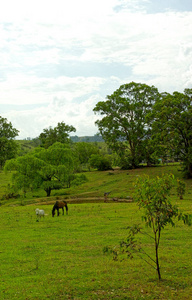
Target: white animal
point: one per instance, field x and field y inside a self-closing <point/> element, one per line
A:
<point x="40" y="213"/>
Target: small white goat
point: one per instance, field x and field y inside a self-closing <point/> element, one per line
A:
<point x="40" y="213"/>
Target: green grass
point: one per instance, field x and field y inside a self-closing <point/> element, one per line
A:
<point x="63" y="258"/>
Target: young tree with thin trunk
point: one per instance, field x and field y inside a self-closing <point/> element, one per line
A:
<point x="152" y="196"/>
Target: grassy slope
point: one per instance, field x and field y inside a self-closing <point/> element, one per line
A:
<point x="119" y="183"/>
<point x="62" y="258"/>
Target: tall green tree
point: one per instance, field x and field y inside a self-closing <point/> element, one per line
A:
<point x="60" y="134"/>
<point x="123" y="126"/>
<point x="172" y="126"/>
<point x="8" y="146"/>
<point x="49" y="169"/>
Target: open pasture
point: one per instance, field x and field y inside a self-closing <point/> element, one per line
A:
<point x="63" y="257"/>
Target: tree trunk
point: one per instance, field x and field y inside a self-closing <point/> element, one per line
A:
<point x="157" y="239"/>
<point x="157" y="262"/>
<point x="189" y="170"/>
<point x="48" y="191"/>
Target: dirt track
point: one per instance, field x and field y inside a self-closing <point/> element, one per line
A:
<point x="84" y="200"/>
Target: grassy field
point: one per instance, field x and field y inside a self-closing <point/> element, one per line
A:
<point x="63" y="257"/>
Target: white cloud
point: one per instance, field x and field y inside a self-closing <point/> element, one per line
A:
<point x="31" y="123"/>
<point x="60" y="11"/>
<point x="22" y="89"/>
<point x="66" y="55"/>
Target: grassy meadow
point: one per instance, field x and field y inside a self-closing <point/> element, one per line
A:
<point x="64" y="258"/>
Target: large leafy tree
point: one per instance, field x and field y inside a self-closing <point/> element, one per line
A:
<point x="123" y="125"/>
<point x="172" y="126"/>
<point x="60" y="134"/>
<point x="8" y="146"/>
<point x="49" y="169"/>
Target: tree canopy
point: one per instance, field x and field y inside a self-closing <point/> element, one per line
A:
<point x="60" y="134"/>
<point x="124" y="125"/>
<point x="8" y="147"/>
<point x="172" y="126"/>
<point x="49" y="169"/>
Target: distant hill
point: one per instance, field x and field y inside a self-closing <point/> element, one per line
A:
<point x="28" y="145"/>
<point x="95" y="138"/>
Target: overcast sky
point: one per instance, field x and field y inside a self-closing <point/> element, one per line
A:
<point x="59" y="58"/>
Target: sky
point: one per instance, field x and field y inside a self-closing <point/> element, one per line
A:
<point x="59" y="58"/>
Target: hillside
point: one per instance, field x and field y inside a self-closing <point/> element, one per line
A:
<point x="120" y="184"/>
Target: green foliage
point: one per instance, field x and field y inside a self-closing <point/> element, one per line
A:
<point x="126" y="161"/>
<point x="172" y="126"/>
<point x="180" y="188"/>
<point x="152" y="196"/>
<point x="50" y="169"/>
<point x="83" y="152"/>
<point x="60" y="134"/>
<point x="8" y="150"/>
<point x="26" y="172"/>
<point x="100" y="162"/>
<point x="26" y="146"/>
<point x="79" y="179"/>
<point x="10" y="193"/>
<point x="124" y="126"/>
<point x="7" y="130"/>
<point x="8" y="147"/>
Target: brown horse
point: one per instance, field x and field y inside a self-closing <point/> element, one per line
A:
<point x="58" y="205"/>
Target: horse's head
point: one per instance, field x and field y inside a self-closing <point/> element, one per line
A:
<point x="53" y="213"/>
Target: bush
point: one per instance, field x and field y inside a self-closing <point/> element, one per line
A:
<point x="101" y="163"/>
<point x="79" y="179"/>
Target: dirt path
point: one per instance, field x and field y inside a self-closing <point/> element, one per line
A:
<point x="80" y="200"/>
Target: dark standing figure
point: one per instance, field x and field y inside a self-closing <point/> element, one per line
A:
<point x="58" y="205"/>
<point x="106" y="195"/>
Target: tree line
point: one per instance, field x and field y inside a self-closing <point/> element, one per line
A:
<point x="141" y="124"/>
<point x="138" y="125"/>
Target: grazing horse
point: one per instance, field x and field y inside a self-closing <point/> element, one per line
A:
<point x="58" y="205"/>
